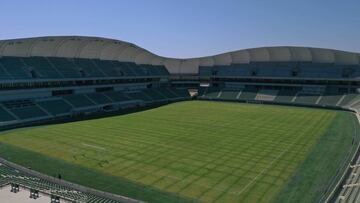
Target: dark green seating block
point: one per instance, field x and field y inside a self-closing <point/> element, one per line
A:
<point x="55" y="107"/>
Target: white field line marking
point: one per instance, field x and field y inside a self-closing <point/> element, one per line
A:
<point x="265" y="169"/>
<point x="94" y="146"/>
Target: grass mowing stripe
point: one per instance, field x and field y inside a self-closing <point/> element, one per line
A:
<point x="207" y="151"/>
<point x="314" y="174"/>
<point x="77" y="174"/>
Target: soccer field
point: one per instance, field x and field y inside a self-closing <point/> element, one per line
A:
<point x="196" y="150"/>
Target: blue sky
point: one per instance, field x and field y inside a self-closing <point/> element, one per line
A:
<point x="190" y="28"/>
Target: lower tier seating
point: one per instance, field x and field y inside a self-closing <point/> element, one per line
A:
<point x="266" y="95"/>
<point x="286" y="95"/>
<point x="99" y="98"/>
<point x="78" y="101"/>
<point x="249" y="93"/>
<point x="331" y="97"/>
<point x="305" y="98"/>
<point x="29" y="110"/>
<point x="5" y="116"/>
<point x="229" y="94"/>
<point x="117" y="96"/>
<point x="55" y="107"/>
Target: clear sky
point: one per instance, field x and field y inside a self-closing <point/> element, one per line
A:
<point x="190" y="28"/>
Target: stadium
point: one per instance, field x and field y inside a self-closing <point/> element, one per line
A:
<point x="89" y="119"/>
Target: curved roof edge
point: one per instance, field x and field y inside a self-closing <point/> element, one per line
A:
<point x="111" y="49"/>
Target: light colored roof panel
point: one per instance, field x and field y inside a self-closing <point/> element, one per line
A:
<point x="342" y="57"/>
<point x="18" y="47"/>
<point x="259" y="55"/>
<point x="173" y="65"/>
<point x="45" y="46"/>
<point x="157" y="61"/>
<point x="322" y="55"/>
<point x="223" y="59"/>
<point x="129" y="54"/>
<point x="242" y="56"/>
<point x="300" y="54"/>
<point x="71" y="47"/>
<point x="144" y="58"/>
<point x="189" y="66"/>
<point x="92" y="49"/>
<point x="279" y="54"/>
<point x="110" y="49"/>
<point x="206" y="61"/>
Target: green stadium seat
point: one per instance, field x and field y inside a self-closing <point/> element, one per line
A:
<point x="305" y="98"/>
<point x="154" y="95"/>
<point x="212" y="93"/>
<point x="5" y="116"/>
<point x="28" y="112"/>
<point x="139" y="95"/>
<point x="78" y="100"/>
<point x="117" y="96"/>
<point x="89" y="67"/>
<point x="3" y="73"/>
<point x="42" y="67"/>
<point x="286" y="95"/>
<point x="15" y="67"/>
<point x="248" y="93"/>
<point x="229" y="94"/>
<point x="55" y="107"/>
<point x="349" y="99"/>
<point x="65" y="66"/>
<point x="99" y="98"/>
<point x="124" y="68"/>
<point x="109" y="68"/>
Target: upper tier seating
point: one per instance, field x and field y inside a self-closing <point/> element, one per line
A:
<point x="109" y="68"/>
<point x="15" y="67"/>
<point x="54" y="67"/>
<point x="89" y="68"/>
<point x="66" y="67"/>
<point x="41" y="67"/>
<point x="281" y="69"/>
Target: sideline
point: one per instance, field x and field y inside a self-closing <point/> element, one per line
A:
<point x="345" y="175"/>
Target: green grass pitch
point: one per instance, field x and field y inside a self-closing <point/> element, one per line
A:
<point x="194" y="151"/>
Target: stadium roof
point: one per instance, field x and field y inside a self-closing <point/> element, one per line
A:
<point x="111" y="49"/>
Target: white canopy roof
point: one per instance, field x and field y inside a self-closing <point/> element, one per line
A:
<point x="110" y="49"/>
